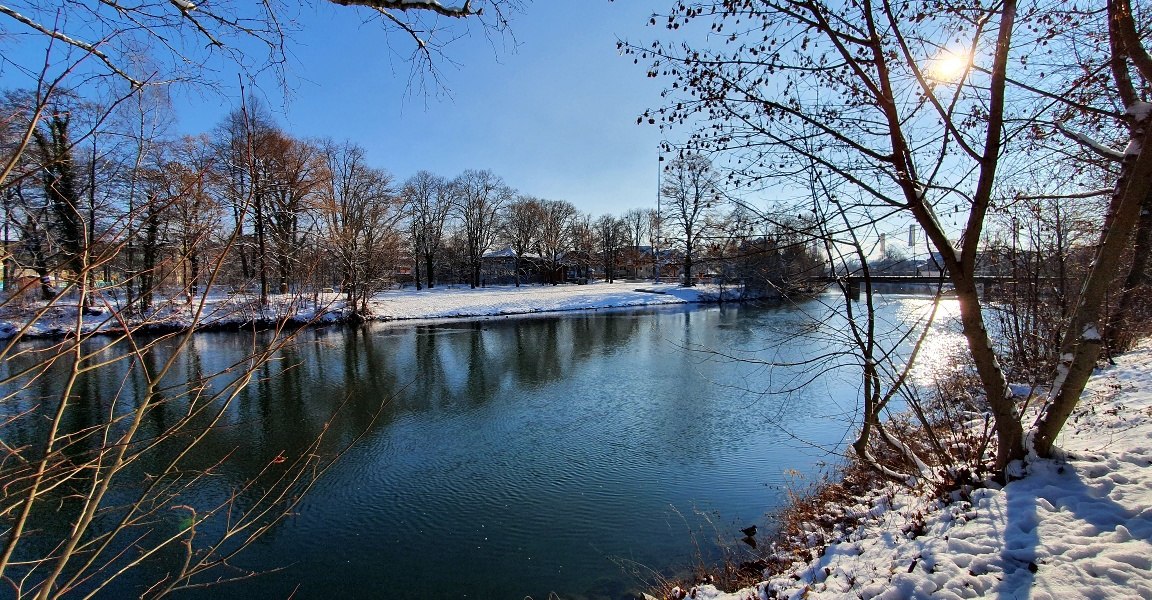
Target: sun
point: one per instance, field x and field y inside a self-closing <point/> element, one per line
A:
<point x="949" y="65"/>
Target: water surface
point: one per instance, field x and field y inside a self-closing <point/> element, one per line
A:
<point x="517" y="457"/>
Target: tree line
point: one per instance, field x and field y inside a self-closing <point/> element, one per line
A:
<point x="107" y="198"/>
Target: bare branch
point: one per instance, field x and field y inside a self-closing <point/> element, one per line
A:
<point x="71" y="41"/>
<point x="464" y="10"/>
<point x="1100" y="149"/>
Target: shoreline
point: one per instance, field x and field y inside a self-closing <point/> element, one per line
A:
<point x="1076" y="526"/>
<point x="224" y="312"/>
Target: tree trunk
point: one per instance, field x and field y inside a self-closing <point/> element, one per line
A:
<point x="1082" y="341"/>
<point x="419" y="284"/>
<point x="688" y="265"/>
<point x="284" y="275"/>
<point x="194" y="274"/>
<point x="150" y="252"/>
<point x="1009" y="431"/>
<point x="261" y="250"/>
<point x="1118" y="337"/>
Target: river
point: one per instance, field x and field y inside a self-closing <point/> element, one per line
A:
<point x="575" y="454"/>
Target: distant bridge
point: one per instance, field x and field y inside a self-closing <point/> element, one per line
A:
<point x="854" y="282"/>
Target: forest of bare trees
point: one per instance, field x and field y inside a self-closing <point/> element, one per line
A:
<point x="258" y="210"/>
<point x="114" y="222"/>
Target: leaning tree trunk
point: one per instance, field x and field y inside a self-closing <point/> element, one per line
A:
<point x="1118" y="338"/>
<point x="1009" y="431"/>
<point x="1082" y="340"/>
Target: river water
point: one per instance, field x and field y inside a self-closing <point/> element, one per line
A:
<point x="576" y="454"/>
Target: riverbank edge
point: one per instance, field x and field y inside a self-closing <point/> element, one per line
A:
<point x="817" y="515"/>
<point x="333" y="315"/>
<point x="854" y="534"/>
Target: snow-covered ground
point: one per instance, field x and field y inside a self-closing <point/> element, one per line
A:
<point x="1080" y="527"/>
<point x="490" y="301"/>
<point x="221" y="309"/>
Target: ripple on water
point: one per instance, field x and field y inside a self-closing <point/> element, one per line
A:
<point x="527" y="457"/>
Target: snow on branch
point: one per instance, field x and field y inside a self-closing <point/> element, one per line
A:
<point x="464" y="10"/>
<point x="1140" y="111"/>
<point x="1091" y="144"/>
<point x="71" y="41"/>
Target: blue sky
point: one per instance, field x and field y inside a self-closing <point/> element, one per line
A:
<point x="555" y="115"/>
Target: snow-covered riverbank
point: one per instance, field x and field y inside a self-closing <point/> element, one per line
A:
<point x="218" y="310"/>
<point x="495" y="301"/>
<point x="1080" y="527"/>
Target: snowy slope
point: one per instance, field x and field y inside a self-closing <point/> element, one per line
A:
<point x="1074" y="528"/>
<point x="464" y="302"/>
<point x="220" y="309"/>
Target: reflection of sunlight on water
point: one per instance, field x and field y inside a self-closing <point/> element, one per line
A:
<point x="938" y="353"/>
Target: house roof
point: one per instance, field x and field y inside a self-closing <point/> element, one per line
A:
<point x="502" y="253"/>
<point x="508" y="252"/>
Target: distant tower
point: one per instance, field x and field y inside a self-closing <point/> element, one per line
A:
<point x="911" y="235"/>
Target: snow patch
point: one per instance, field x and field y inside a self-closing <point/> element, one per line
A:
<point x="222" y="309"/>
<point x="1140" y="111"/>
<point x="1075" y="527"/>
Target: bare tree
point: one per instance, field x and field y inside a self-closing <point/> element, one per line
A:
<point x="153" y="216"/>
<point x="555" y="237"/>
<point x="519" y="228"/>
<point x="361" y="213"/>
<point x="691" y="189"/>
<point x="479" y="197"/>
<point x="1082" y="340"/>
<point x="636" y="221"/>
<point x="583" y="246"/>
<point x="611" y="235"/>
<point x="186" y="38"/>
<point x="909" y="112"/>
<point x="429" y="198"/>
<point x="198" y="213"/>
<point x="247" y="143"/>
<point x="295" y="175"/>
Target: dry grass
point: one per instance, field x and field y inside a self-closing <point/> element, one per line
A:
<point x="817" y="512"/>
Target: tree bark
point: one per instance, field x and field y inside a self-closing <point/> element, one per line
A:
<point x="1118" y="339"/>
<point x="1082" y="340"/>
<point x="688" y="259"/>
